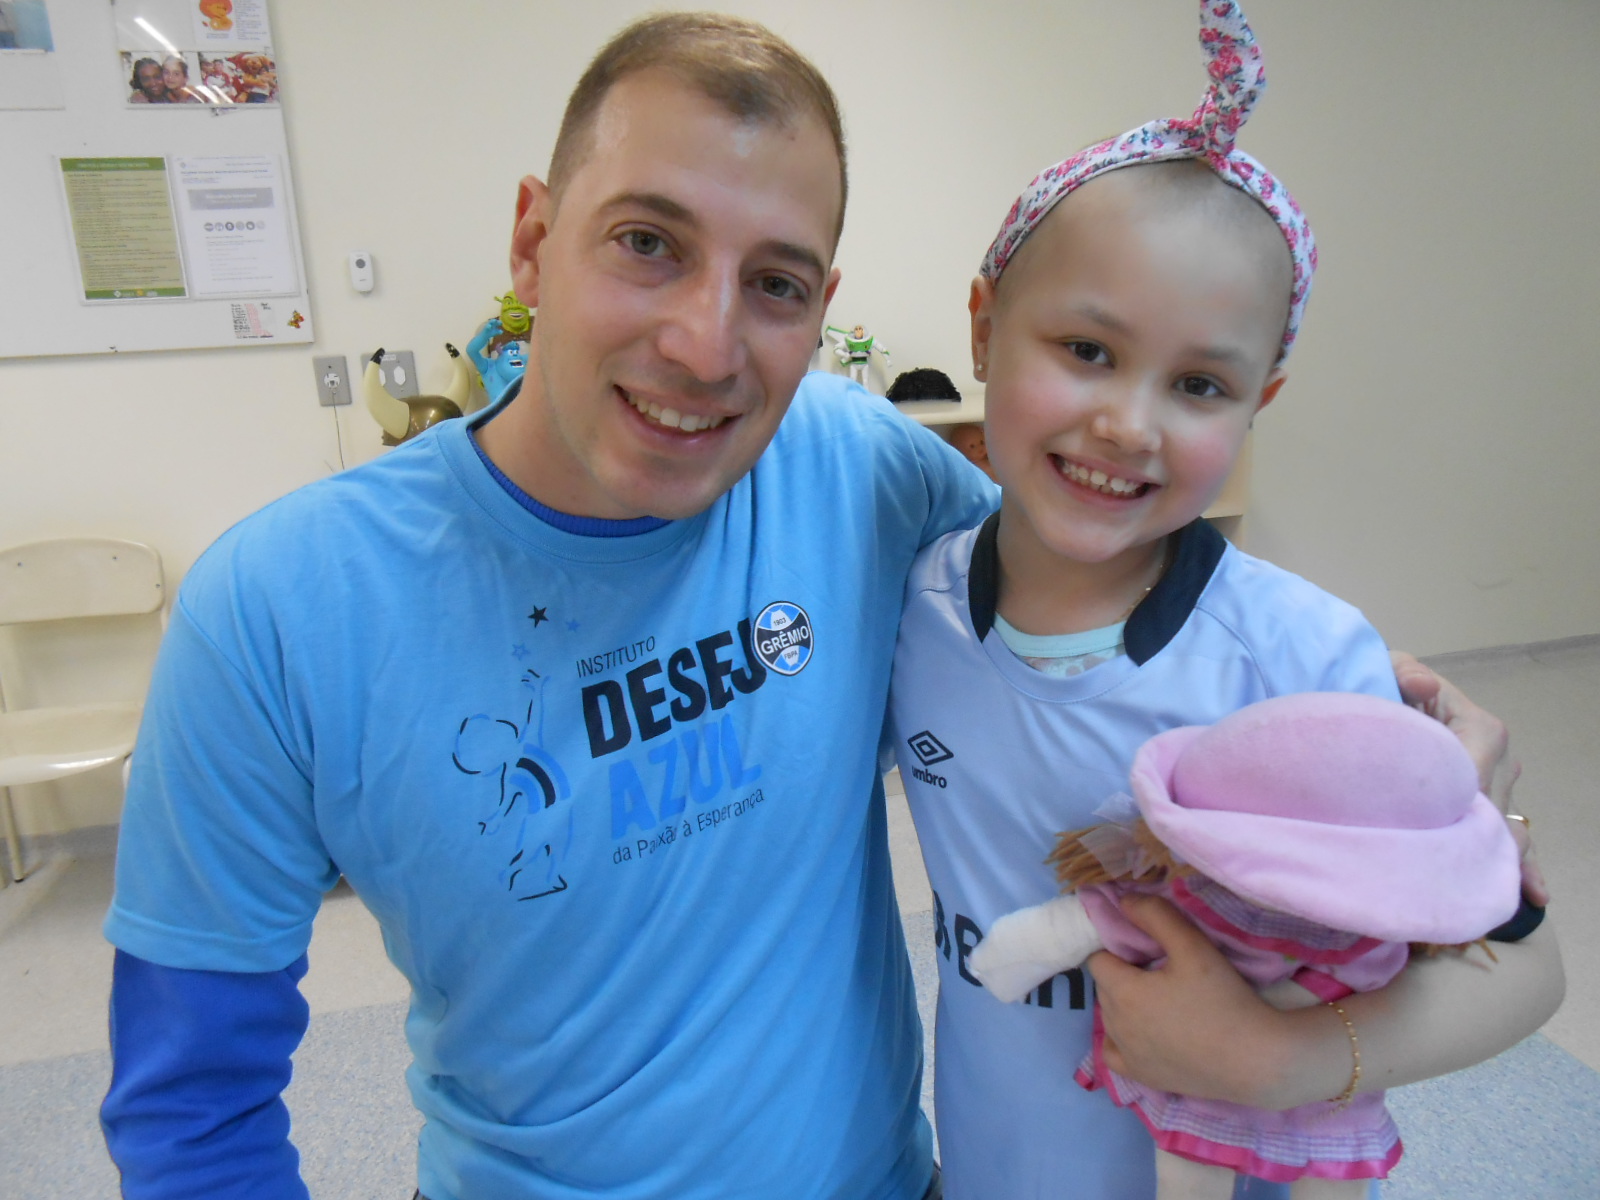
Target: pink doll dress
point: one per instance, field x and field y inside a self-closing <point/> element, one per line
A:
<point x="1359" y="1141"/>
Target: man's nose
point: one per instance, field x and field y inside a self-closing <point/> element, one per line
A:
<point x="704" y="331"/>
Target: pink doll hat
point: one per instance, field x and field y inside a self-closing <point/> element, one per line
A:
<point x="1351" y="811"/>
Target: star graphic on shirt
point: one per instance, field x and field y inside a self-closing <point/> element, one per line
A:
<point x="519" y="652"/>
<point x="538" y="616"/>
<point x="573" y="627"/>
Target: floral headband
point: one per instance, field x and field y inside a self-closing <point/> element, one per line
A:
<point x="1238" y="78"/>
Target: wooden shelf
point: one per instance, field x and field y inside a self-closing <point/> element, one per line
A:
<point x="1230" y="503"/>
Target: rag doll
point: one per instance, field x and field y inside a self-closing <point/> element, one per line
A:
<point x="1312" y="838"/>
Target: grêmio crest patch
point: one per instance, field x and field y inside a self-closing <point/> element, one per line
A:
<point x="783" y="637"/>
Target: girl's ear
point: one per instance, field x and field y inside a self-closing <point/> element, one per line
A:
<point x="1269" y="393"/>
<point x="980" y="303"/>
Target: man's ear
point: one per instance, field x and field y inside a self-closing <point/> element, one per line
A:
<point x="980" y="303"/>
<point x="829" y="289"/>
<point x="535" y="213"/>
<point x="1269" y="393"/>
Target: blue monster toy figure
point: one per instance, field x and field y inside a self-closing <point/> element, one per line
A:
<point x="500" y="348"/>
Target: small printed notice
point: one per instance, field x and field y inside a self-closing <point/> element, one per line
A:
<point x="122" y="224"/>
<point x="230" y="21"/>
<point x="235" y="222"/>
<point x="250" y="323"/>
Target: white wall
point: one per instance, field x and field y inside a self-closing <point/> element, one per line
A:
<point x="1431" y="459"/>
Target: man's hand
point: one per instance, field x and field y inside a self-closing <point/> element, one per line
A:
<point x="1486" y="740"/>
<point x="1481" y="732"/>
<point x="1193" y="1025"/>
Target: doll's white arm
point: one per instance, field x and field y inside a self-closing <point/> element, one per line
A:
<point x="1030" y="945"/>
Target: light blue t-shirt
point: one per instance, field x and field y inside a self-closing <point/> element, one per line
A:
<point x="614" y="802"/>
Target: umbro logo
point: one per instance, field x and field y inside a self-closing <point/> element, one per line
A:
<point x="928" y="749"/>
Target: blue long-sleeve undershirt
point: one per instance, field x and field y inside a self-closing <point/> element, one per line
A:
<point x="200" y="1061"/>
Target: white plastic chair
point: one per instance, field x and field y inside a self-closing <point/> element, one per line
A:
<point x="69" y="615"/>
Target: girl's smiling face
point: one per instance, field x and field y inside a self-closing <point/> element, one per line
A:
<point x="1126" y="349"/>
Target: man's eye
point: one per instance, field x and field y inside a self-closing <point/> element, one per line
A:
<point x="1089" y="352"/>
<point x="1199" y="385"/>
<point x="642" y="241"/>
<point x="781" y="287"/>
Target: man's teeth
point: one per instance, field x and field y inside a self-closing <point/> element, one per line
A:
<point x="1110" y="485"/>
<point x="672" y="418"/>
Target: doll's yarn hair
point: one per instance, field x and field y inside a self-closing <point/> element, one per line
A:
<point x="1113" y="852"/>
<point x="1116" y="853"/>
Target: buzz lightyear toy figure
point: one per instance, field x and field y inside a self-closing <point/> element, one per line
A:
<point x="500" y="349"/>
<point x="854" y="350"/>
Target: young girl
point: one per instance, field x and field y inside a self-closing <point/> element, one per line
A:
<point x="1130" y="320"/>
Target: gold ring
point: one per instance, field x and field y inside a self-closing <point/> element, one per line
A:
<point x="1526" y="824"/>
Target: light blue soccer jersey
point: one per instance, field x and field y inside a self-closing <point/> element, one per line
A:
<point x="998" y="758"/>
<point x="613" y="800"/>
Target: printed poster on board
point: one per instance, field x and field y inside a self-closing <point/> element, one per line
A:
<point x="29" y="75"/>
<point x="205" y="53"/>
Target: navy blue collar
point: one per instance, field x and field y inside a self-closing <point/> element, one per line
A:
<point x="566" y="522"/>
<point x="1197" y="548"/>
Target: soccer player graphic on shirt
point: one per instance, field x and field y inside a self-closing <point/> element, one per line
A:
<point x="532" y="806"/>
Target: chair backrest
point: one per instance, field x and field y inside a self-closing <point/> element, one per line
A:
<point x="78" y="577"/>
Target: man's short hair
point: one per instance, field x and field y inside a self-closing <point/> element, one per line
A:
<point x="739" y="64"/>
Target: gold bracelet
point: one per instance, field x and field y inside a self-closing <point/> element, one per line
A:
<point x="1342" y="1100"/>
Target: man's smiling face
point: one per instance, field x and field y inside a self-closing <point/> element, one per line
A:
<point x="681" y="279"/>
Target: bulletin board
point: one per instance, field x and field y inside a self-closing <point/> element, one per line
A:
<point x="146" y="201"/>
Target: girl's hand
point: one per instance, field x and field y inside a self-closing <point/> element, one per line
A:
<point x="1195" y="1026"/>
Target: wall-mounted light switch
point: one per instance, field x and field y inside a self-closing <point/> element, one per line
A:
<point x="361" y="273"/>
<point x="333" y="380"/>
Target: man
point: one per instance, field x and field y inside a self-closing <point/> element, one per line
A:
<point x="602" y="769"/>
<point x="582" y="697"/>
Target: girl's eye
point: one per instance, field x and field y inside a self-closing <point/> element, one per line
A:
<point x="1089" y="352"/>
<point x="642" y="241"/>
<point x="1199" y="386"/>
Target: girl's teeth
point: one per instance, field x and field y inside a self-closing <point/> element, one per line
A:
<point x="1109" y="484"/>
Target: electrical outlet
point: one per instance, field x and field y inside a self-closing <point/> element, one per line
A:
<point x="333" y="380"/>
<point x="397" y="371"/>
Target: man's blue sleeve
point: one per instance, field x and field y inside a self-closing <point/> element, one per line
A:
<point x="199" y="1063"/>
